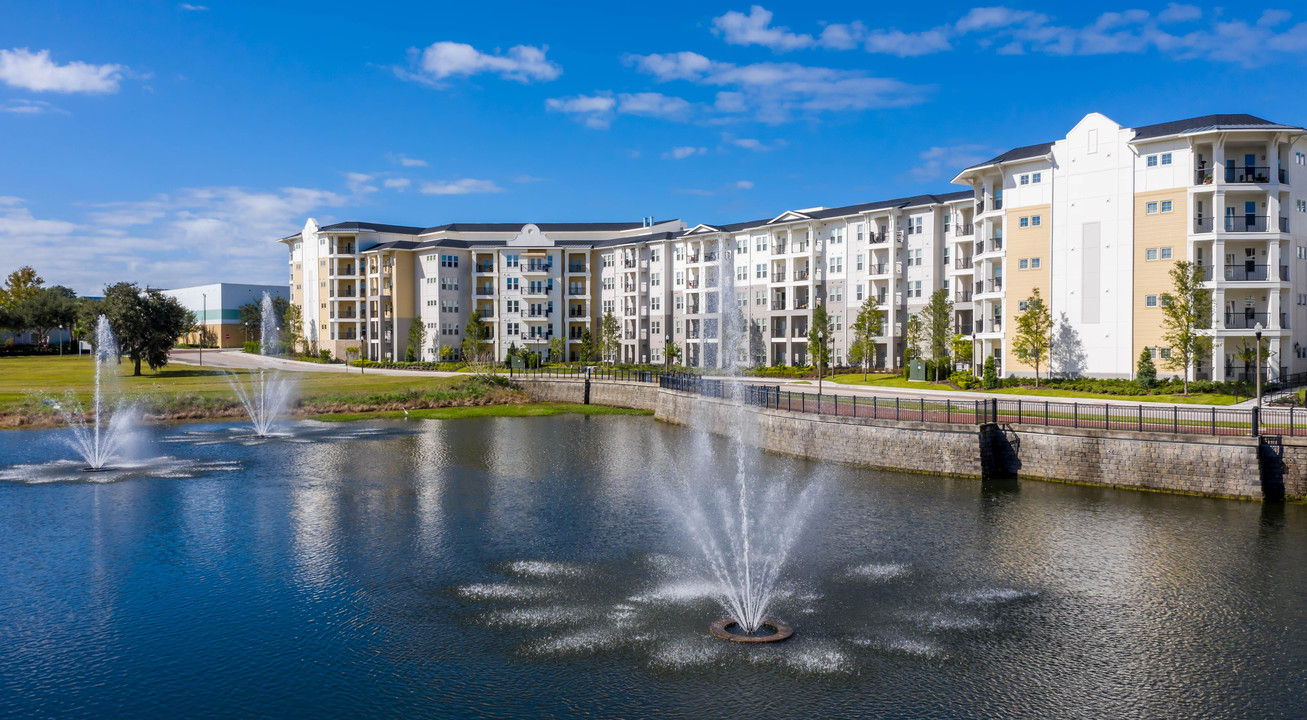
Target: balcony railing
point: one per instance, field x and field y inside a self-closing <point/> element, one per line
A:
<point x="1238" y="223"/>
<point x="778" y="248"/>
<point x="962" y="263"/>
<point x="485" y="290"/>
<point x="962" y="328"/>
<point x="801" y="274"/>
<point x="875" y="239"/>
<point x="800" y="304"/>
<point x="485" y="267"/>
<point x="777" y="304"/>
<point x="576" y="291"/>
<point x="690" y="283"/>
<point x="629" y="263"/>
<point x="778" y="275"/>
<point x="878" y="269"/>
<point x="964" y="229"/>
<point x="962" y="296"/>
<point x="539" y="267"/>
<point x="799" y="332"/>
<point x="692" y="309"/>
<point x="576" y="313"/>
<point x="710" y="256"/>
<point x="576" y="267"/>
<point x="1247" y="320"/>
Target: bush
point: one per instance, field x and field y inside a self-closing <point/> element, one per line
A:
<point x="990" y="380"/>
<point x="964" y="380"/>
<point x="324" y="355"/>
<point x="252" y="346"/>
<point x="1146" y="374"/>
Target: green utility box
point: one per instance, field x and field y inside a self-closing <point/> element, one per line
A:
<point x="917" y="370"/>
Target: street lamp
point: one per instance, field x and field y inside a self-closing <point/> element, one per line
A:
<point x="362" y="347"/>
<point x="61" y="341"/>
<point x="204" y="323"/>
<point x="1258" y="333"/>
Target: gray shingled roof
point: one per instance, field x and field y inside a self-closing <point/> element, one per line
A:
<point x="1021" y="153"/>
<point x="1237" y="121"/>
<point x="359" y="226"/>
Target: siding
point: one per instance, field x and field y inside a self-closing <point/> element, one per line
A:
<point x="1152" y="277"/>
<point x="1030" y="242"/>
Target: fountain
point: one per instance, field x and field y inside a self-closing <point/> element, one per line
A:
<point x="99" y="438"/>
<point x="744" y="534"/>
<point x="267" y="393"/>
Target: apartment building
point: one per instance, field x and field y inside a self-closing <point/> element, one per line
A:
<point x="1097" y="219"/>
<point x="1094" y="220"/>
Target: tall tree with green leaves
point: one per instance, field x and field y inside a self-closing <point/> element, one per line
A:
<point x="913" y="339"/>
<point x="292" y="332"/>
<point x="1186" y="312"/>
<point x="417" y="337"/>
<point x="867" y="326"/>
<point x="819" y="341"/>
<point x="938" y="317"/>
<point x="474" y="337"/>
<point x="672" y="352"/>
<point x="610" y="336"/>
<point x="1033" y="340"/>
<point x="20" y="285"/>
<point x="558" y="349"/>
<point x="587" y="352"/>
<point x="146" y="323"/>
<point x="46" y="309"/>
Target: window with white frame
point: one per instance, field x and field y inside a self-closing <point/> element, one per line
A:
<point x="1025" y="179"/>
<point x="1302" y="206"/>
<point x="1151" y="208"/>
<point x="1166" y="253"/>
<point x="1036" y="177"/>
<point x="608" y="260"/>
<point x="655" y="302"/>
<point x="760" y="270"/>
<point x="1024" y="222"/>
<point x="655" y="279"/>
<point x="859" y="261"/>
<point x="1166" y="158"/>
<point x="1166" y="206"/>
<point x="511" y="260"/>
<point x="680" y="302"/>
<point x="511" y="306"/>
<point x="1035" y="263"/>
<point x="917" y="256"/>
<point x="742" y="272"/>
<point x="741" y="299"/>
<point x="448" y="283"/>
<point x="837" y="293"/>
<point x="1152" y="161"/>
<point x="1022" y="305"/>
<point x="760" y="297"/>
<point x="1036" y="220"/>
<point x="609" y="283"/>
<point x="608" y="306"/>
<point x="1023" y="264"/>
<point x="655" y="254"/>
<point x="860" y="231"/>
<point x="859" y="291"/>
<point x="760" y="243"/>
<point x="680" y="278"/>
<point x="1150" y="301"/>
<point x="917" y="289"/>
<point x="450" y="261"/>
<point x="1150" y="254"/>
<point x="514" y="283"/>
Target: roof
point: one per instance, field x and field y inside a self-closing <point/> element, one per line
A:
<point x="359" y="226"/>
<point x="826" y="213"/>
<point x="1021" y="153"/>
<point x="1237" y="121"/>
<point x="464" y="244"/>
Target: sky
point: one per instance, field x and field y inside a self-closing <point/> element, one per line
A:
<point x="172" y="144"/>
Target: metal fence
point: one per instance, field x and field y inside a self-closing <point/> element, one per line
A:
<point x="580" y="372"/>
<point x="1175" y="419"/>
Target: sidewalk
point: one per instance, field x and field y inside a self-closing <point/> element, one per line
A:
<point x="239" y="359"/>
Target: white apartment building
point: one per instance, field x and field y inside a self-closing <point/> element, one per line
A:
<point x="1094" y="220"/>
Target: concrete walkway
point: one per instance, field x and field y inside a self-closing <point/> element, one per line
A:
<point x="241" y="360"/>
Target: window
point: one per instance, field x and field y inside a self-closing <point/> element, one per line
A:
<point x="1022" y="306"/>
<point x="450" y="261"/>
<point x="655" y="254"/>
<point x="449" y="306"/>
<point x="1035" y="220"/>
<point x="917" y="256"/>
<point x="1166" y="158"/>
<point x="1034" y="263"/>
<point x="760" y="270"/>
<point x="1025" y="179"/>
<point x="655" y="279"/>
<point x="1150" y="254"/>
<point x="947" y="221"/>
<point x="859" y="290"/>
<point x="655" y="328"/>
<point x="608" y="283"/>
<point x="859" y="230"/>
<point x="1152" y="161"/>
<point x="1302" y="206"/>
<point x="511" y="306"/>
<point x="656" y="302"/>
<point x="741" y="299"/>
<point x="512" y="284"/>
<point x="680" y="278"/>
<point x="837" y="293"/>
<point x="448" y="283"/>
<point x="1150" y="301"/>
<point x="741" y="246"/>
<point x="1166" y="206"/>
<point x="680" y="302"/>
<point x="512" y="328"/>
<point x="1023" y="264"/>
<point x="608" y="306"/>
<point x="1024" y="222"/>
<point x="760" y="243"/>
<point x="1166" y="253"/>
<point x="1165" y="353"/>
<point x="1036" y="177"/>
<point x="859" y="261"/>
<point x="608" y="260"/>
<point x="916" y="289"/>
<point x="742" y="272"/>
<point x="760" y="297"/>
<point x="511" y="260"/>
<point x="1151" y="208"/>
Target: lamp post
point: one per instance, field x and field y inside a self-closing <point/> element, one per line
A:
<point x="1258" y="370"/>
<point x="204" y="323"/>
<point x="61" y="341"/>
<point x="362" y="348"/>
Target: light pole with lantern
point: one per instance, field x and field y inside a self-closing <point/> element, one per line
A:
<point x="1258" y="334"/>
<point x="204" y="323"/>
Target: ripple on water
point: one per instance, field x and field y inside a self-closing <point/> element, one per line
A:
<point x="880" y="572"/>
<point x="546" y="569"/>
<point x="947" y="621"/>
<point x="684" y="591"/>
<point x="991" y="596"/>
<point x="913" y="647"/>
<point x="538" y="617"/>
<point x="681" y="654"/>
<point x="503" y="591"/>
<point x="821" y="657"/>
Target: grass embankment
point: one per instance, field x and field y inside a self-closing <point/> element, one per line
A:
<point x="181" y="392"/>
<point x="897" y="381"/>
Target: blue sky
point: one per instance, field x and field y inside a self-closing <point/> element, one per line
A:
<point x="171" y="144"/>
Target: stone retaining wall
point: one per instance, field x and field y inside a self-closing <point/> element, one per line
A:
<point x="1213" y="466"/>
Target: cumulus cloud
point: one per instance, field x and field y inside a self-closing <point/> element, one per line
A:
<point x="400" y="184"/>
<point x="194" y="8"/>
<point x="22" y="68"/>
<point x="598" y="110"/>
<point x="935" y="162"/>
<point x="895" y="42"/>
<point x="736" y="28"/>
<point x="20" y="106"/>
<point x="595" y="111"/>
<point x="751" y="144"/>
<point x="441" y="61"/>
<point x="187" y="237"/>
<point x="462" y="186"/>
<point x="680" y="153"/>
<point x="402" y="160"/>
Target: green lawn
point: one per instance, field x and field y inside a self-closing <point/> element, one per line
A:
<point x="21" y="376"/>
<point x="897" y="381"/>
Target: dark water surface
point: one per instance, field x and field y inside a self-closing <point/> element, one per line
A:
<point x="531" y="568"/>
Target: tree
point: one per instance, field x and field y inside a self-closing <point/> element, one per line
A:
<point x="869" y="325"/>
<point x="672" y="353"/>
<point x="913" y="340"/>
<point x="939" y="327"/>
<point x="558" y="349"/>
<point x="1185" y="313"/>
<point x="610" y="335"/>
<point x="512" y="353"/>
<point x="587" y="346"/>
<point x="46" y="309"/>
<point x="146" y="322"/>
<point x="1247" y="354"/>
<point x="251" y="316"/>
<point x="963" y="347"/>
<point x="20" y="285"/>
<point x="474" y="337"/>
<point x="293" y="331"/>
<point x="417" y="337"/>
<point x="1146" y="372"/>
<point x="1034" y="337"/>
<point x="990" y="380"/>
<point x="819" y="337"/>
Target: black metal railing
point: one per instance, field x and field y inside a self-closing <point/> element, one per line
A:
<point x="964" y="229"/>
<point x="962" y="263"/>
<point x="1245" y="320"/>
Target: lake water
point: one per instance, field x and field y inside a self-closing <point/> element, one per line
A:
<point x="533" y="568"/>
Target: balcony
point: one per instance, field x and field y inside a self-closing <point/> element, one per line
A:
<point x="538" y="289"/>
<point x="629" y="263"/>
<point x="964" y="229"/>
<point x="1239" y="223"/>
<point x="484" y="267"/>
<point x="710" y="256"/>
<point x="962" y="328"/>
<point x="576" y="268"/>
<point x="878" y="269"/>
<point x="778" y="304"/>
<point x="1247" y="272"/>
<point x="801" y="304"/>
<point x="778" y="249"/>
<point x="990" y="246"/>
<point x="576" y="313"/>
<point x="628" y="287"/>
<point x="962" y="263"/>
<point x="538" y="266"/>
<point x="962" y="296"/>
<point x="875" y="239"/>
<point x="1246" y="320"/>
<point x="692" y="283"/>
<point x="992" y="285"/>
<point x="692" y="334"/>
<point x="801" y="274"/>
<point x="693" y="309"/>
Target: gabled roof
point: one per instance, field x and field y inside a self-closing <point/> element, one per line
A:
<point x="702" y="229"/>
<point x="1236" y="121"/>
<point x="1022" y="153"/>
<point x="789" y="216"/>
<point x="359" y="226"/>
<point x="356" y="226"/>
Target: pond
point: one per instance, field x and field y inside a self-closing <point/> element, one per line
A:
<point x="529" y="567"/>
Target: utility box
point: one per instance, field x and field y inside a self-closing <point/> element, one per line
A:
<point x="917" y="370"/>
<point x="516" y="363"/>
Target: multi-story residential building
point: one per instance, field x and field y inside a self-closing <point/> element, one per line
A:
<point x="1094" y="221"/>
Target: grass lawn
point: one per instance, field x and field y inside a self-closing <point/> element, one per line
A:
<point x="887" y="380"/>
<point x="897" y="381"/>
<point x="451" y="413"/>
<point x="54" y="375"/>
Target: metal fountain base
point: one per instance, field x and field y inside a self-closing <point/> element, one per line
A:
<point x="95" y="469"/>
<point x="729" y="629"/>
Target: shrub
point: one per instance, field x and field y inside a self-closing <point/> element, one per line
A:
<point x="990" y="380"/>
<point x="964" y="380"/>
<point x="252" y="346"/>
<point x="1146" y="374"/>
<point x="324" y="355"/>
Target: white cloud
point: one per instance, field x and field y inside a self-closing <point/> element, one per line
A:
<point x="736" y="28"/>
<point x="22" y="68"/>
<point x="194" y="8"/>
<point x="396" y="183"/>
<point x="744" y="184"/>
<point x="1177" y="13"/>
<point x="751" y="144"/>
<point x="463" y="186"/>
<point x="441" y="61"/>
<point x="992" y="18"/>
<point x="598" y="110"/>
<point x="192" y="236"/>
<point x="776" y="92"/>
<point x="652" y="104"/>
<point x="843" y="37"/>
<point x="681" y="153"/>
<point x="934" y="163"/>
<point x="404" y="161"/>
<point x="896" y="42"/>
<point x="20" y="106"/>
<point x="359" y="183"/>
